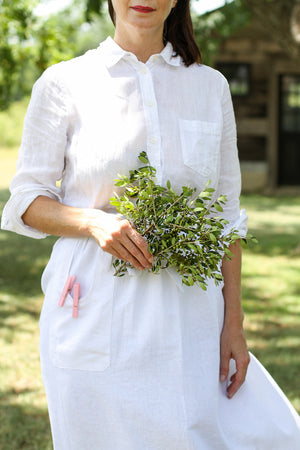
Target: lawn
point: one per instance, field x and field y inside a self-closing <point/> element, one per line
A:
<point x="271" y="292"/>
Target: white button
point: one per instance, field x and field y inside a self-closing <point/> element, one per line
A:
<point x="144" y="70"/>
<point x="155" y="58"/>
<point x="149" y="103"/>
<point x="153" y="140"/>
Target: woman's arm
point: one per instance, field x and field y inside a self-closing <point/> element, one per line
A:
<point x="233" y="342"/>
<point x="113" y="235"/>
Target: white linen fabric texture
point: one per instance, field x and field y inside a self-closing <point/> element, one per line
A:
<point x="139" y="368"/>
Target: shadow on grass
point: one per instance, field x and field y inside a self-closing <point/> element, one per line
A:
<point x="23" y="427"/>
<point x="275" y="239"/>
<point x="273" y="335"/>
<point x="272" y="242"/>
<point x="264" y="204"/>
<point x="282" y="363"/>
<point x="22" y="262"/>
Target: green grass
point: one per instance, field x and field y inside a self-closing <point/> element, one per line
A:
<point x="271" y="291"/>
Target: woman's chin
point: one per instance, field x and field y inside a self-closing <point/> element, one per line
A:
<point x="145" y="23"/>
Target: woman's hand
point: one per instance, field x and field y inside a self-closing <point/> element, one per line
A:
<point x="119" y="238"/>
<point x="233" y="345"/>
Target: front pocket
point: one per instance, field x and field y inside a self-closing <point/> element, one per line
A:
<point x="84" y="342"/>
<point x="200" y="143"/>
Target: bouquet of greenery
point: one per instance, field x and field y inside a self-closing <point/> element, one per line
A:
<point x="183" y="231"/>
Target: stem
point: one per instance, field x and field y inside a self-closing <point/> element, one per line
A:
<point x="120" y="268"/>
<point x="148" y="229"/>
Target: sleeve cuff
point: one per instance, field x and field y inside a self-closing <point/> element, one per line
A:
<point x="240" y="225"/>
<point x="16" y="207"/>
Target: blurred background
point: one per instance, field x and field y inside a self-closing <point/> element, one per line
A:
<point x="256" y="45"/>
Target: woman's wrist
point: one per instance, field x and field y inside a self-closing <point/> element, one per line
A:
<point x="234" y="315"/>
<point x="91" y="221"/>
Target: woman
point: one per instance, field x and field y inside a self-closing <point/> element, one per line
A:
<point x="141" y="362"/>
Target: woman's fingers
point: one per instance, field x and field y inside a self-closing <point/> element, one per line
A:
<point x="139" y="242"/>
<point x="224" y="366"/>
<point x="120" y="252"/>
<point x="238" y="378"/>
<point x="119" y="238"/>
<point x="129" y="252"/>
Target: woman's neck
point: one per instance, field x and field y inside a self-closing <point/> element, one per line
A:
<point x="140" y="42"/>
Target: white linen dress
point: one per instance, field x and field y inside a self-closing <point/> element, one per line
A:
<point x="139" y="368"/>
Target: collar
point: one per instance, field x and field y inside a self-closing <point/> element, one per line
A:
<point x="113" y="53"/>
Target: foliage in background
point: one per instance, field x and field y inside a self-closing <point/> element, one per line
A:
<point x="213" y="27"/>
<point x="29" y="43"/>
<point x="56" y="36"/>
<point x="93" y="7"/>
<point x="16" y="22"/>
<point x="94" y="32"/>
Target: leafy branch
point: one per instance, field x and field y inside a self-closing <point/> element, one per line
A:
<point x="183" y="231"/>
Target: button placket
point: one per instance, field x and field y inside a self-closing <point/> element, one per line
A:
<point x="152" y="120"/>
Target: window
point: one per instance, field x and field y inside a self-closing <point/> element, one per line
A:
<point x="290" y="103"/>
<point x="238" y="76"/>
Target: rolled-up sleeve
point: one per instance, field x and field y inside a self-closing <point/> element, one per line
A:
<point x="230" y="175"/>
<point x="41" y="156"/>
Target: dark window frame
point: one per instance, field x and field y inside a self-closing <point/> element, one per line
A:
<point x="226" y="67"/>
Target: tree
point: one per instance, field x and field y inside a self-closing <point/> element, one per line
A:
<point x="277" y="17"/>
<point x="93" y="7"/>
<point x="29" y="43"/>
<point x="16" y="21"/>
<point x="213" y="27"/>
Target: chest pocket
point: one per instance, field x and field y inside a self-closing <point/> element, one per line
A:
<point x="200" y="144"/>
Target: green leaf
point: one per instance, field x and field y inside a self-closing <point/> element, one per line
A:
<point x="228" y="252"/>
<point x="218" y="207"/>
<point x="212" y="237"/>
<point x="205" y="195"/>
<point x="143" y="158"/>
<point x="198" y="209"/>
<point x="121" y="183"/>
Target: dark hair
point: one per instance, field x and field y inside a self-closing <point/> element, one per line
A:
<point x="178" y="30"/>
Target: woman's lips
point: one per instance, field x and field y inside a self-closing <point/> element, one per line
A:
<point x="142" y="9"/>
